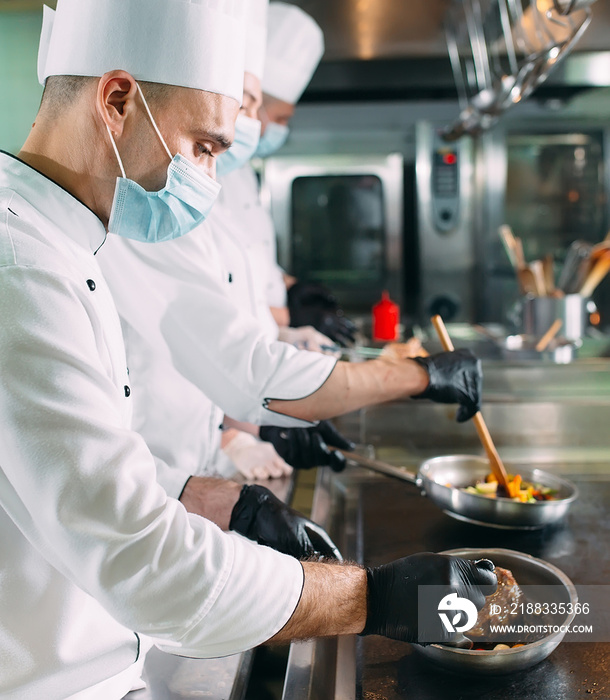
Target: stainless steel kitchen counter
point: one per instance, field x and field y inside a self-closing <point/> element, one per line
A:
<point x="397" y="522"/>
<point x="175" y="678"/>
<point x="376" y="519"/>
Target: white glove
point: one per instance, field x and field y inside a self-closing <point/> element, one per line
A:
<point x="305" y="338"/>
<point x="255" y="459"/>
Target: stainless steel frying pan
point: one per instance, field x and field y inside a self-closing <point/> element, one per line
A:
<point x="441" y="480"/>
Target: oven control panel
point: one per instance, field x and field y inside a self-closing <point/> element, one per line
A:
<point x="445" y="188"/>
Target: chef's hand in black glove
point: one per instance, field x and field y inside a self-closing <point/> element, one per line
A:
<point x="312" y="304"/>
<point x="455" y="377"/>
<point x="304" y="448"/>
<point x="260" y="516"/>
<point x="394" y="609"/>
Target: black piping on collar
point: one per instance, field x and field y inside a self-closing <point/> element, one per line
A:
<point x="14" y="157"/>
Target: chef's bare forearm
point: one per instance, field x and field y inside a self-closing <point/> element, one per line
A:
<point x="281" y="315"/>
<point x="353" y="385"/>
<point x="333" y="603"/>
<point x="212" y="498"/>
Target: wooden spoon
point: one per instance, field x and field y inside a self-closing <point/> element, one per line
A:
<point x="596" y="275"/>
<point x="497" y="467"/>
<point x="600" y="249"/>
<point x="542" y="344"/>
<point x="537" y="269"/>
<point x="549" y="274"/>
<point x="527" y="281"/>
<point x="519" y="255"/>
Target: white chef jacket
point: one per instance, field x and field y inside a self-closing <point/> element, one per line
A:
<point x="179" y="423"/>
<point x="254" y="232"/>
<point x="245" y="263"/>
<point x="169" y="293"/>
<point x="92" y="548"/>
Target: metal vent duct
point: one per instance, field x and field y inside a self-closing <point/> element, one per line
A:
<point x="389" y="29"/>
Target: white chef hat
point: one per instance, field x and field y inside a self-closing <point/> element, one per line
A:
<point x="190" y="43"/>
<point x="256" y="36"/>
<point x="295" y="45"/>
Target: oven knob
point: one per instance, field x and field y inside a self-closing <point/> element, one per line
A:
<point x="445" y="307"/>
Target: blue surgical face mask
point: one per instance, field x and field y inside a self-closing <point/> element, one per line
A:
<point x="272" y="140"/>
<point x="247" y="134"/>
<point x="184" y="202"/>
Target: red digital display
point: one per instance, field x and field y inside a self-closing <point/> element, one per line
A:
<point x="449" y="159"/>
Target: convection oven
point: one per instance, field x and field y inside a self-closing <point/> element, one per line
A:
<point x="339" y="222"/>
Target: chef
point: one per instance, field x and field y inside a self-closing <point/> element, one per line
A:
<point x="181" y="426"/>
<point x="249" y="259"/>
<point x="95" y="553"/>
<point x="295" y="47"/>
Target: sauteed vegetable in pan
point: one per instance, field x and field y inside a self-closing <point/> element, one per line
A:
<point x="519" y="490"/>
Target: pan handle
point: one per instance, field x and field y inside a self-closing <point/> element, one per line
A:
<point x="382" y="467"/>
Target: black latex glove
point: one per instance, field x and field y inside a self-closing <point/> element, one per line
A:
<point x="455" y="377"/>
<point x="312" y="304"/>
<point x="393" y="608"/>
<point x="260" y="516"/>
<point x="304" y="448"/>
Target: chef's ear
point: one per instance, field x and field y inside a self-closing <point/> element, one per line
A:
<point x="116" y="99"/>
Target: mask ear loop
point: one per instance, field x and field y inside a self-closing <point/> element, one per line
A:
<point x="154" y="123"/>
<point x="116" y="151"/>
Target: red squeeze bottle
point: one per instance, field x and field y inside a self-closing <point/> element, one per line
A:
<point x="386" y="315"/>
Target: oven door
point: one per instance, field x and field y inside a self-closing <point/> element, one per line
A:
<point x="339" y="223"/>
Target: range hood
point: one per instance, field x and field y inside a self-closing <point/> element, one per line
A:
<point x="397" y="50"/>
<point x="398" y="29"/>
